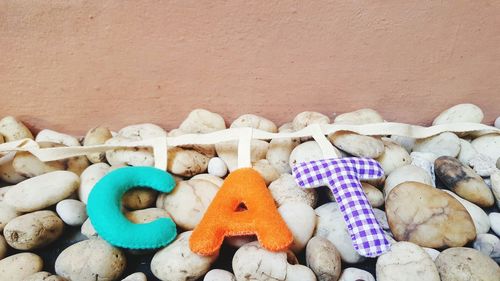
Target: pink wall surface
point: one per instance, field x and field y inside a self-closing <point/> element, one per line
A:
<point x="71" y="65"/>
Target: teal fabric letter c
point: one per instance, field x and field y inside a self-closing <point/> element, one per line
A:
<point x="104" y="209"/>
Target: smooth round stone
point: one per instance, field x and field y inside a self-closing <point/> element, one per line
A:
<point x="489" y="245"/>
<point x="146" y="215"/>
<point x="42" y="191"/>
<point x="483" y="165"/>
<point x="279" y="152"/>
<point x="219" y="275"/>
<point x="323" y="258"/>
<point x="330" y="225"/>
<point x="89" y="178"/>
<point x="88" y="230"/>
<point x="495" y="222"/>
<point x="497" y="122"/>
<point x="3" y="247"/>
<point x="301" y="221"/>
<point x="488" y="145"/>
<point x="428" y="217"/>
<point x="188" y="202"/>
<point x="177" y="262"/>
<point x="308" y="151"/>
<point x="467" y="152"/>
<point x="465" y="264"/>
<point x="202" y="121"/>
<point x="307" y="118"/>
<point x="19" y="266"/>
<point x="92" y="259"/>
<point x="406" y="173"/>
<point x="460" y="113"/>
<point x="139" y="198"/>
<point x="358" y="145"/>
<point x="72" y="212"/>
<point x="408" y="260"/>
<point x="359" y="117"/>
<point x="252" y="262"/>
<point x="266" y="170"/>
<point x="33" y="230"/>
<point x="186" y="162"/>
<point x="463" y="181"/>
<point x="373" y="194"/>
<point x="228" y="152"/>
<point x="285" y="190"/>
<point x="444" y="144"/>
<point x="254" y="121"/>
<point x="217" y="167"/>
<point x="394" y="156"/>
<point x="138" y="276"/>
<point x="479" y="217"/>
<point x="355" y="274"/>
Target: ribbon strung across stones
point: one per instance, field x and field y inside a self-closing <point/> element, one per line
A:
<point x="343" y="176"/>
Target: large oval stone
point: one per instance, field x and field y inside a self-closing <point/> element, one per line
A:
<point x="428" y="217"/>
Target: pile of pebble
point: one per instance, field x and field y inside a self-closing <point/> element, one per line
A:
<point x="438" y="200"/>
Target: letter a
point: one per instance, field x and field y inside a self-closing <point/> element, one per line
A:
<point x="223" y="218"/>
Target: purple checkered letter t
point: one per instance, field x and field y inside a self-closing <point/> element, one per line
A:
<point x="343" y="176"/>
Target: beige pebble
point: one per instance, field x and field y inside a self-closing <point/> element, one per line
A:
<point x="3" y="247"/>
<point x="7" y="213"/>
<point x="406" y="173"/>
<point x="301" y="221"/>
<point x="47" y="135"/>
<point x="464" y="264"/>
<point x="96" y="136"/>
<point x="358" y="145"/>
<point x="479" y="217"/>
<point x="444" y="144"/>
<point x="285" y="189"/>
<point x="460" y="113"/>
<point x="307" y="118"/>
<point x="266" y="170"/>
<point x="374" y="195"/>
<point x="44" y="276"/>
<point x="188" y="202"/>
<point x="359" y="117"/>
<point x="408" y="260"/>
<point x="488" y="145"/>
<point x="256" y="122"/>
<point x="19" y="266"/>
<point x="186" y="163"/>
<point x="279" y="153"/>
<point x="146" y="215"/>
<point x="90" y="176"/>
<point x="139" y="198"/>
<point x="202" y="121"/>
<point x="92" y="259"/>
<point x="33" y="230"/>
<point x="428" y="217"/>
<point x="42" y="191"/>
<point x="177" y="262"/>
<point x="394" y="156"/>
<point x="219" y="275"/>
<point x="11" y="129"/>
<point x="323" y="258"/>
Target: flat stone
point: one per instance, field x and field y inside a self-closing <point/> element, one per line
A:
<point x="466" y="264"/>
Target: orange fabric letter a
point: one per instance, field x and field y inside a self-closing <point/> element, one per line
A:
<point x="223" y="218"/>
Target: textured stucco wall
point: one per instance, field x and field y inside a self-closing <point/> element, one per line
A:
<point x="70" y="65"/>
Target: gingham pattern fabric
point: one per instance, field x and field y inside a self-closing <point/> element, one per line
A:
<point x="343" y="176"/>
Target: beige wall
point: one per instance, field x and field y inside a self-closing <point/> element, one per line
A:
<point x="70" y="65"/>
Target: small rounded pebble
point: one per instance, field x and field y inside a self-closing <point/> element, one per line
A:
<point x="138" y="276"/>
<point x="217" y="167"/>
<point x="92" y="259"/>
<point x="72" y="212"/>
<point x="495" y="222"/>
<point x="323" y="258"/>
<point x="219" y="275"/>
<point x="444" y="144"/>
<point x="466" y="264"/>
<point x="489" y="245"/>
<point x="19" y="266"/>
<point x="497" y="122"/>
<point x="3" y="247"/>
<point x="301" y="220"/>
<point x="355" y="274"/>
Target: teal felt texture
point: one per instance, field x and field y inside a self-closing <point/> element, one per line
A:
<point x="104" y="209"/>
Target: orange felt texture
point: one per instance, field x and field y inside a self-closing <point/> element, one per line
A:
<point x="222" y="218"/>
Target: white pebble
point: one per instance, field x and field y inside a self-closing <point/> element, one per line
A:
<point x="217" y="167"/>
<point x="497" y="122"/>
<point x="495" y="222"/>
<point x="72" y="212"/>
